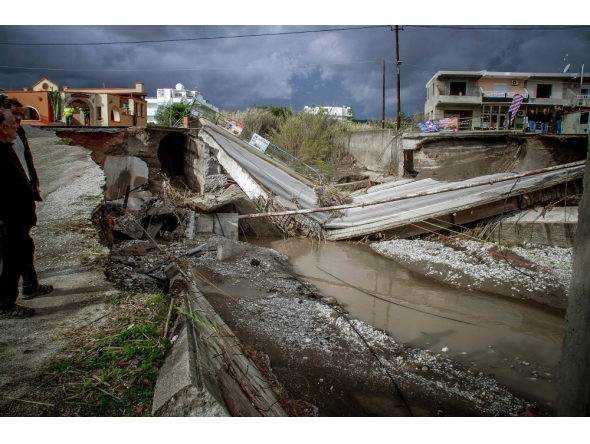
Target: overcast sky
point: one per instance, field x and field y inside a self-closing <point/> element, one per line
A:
<point x="333" y="68"/>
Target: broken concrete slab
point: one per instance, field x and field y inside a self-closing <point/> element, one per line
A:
<point x="128" y="226"/>
<point x="204" y="223"/>
<point x="228" y="225"/>
<point x="154" y="228"/>
<point x="161" y="211"/>
<point x="224" y="224"/>
<point x="555" y="227"/>
<point x="176" y="393"/>
<point x="123" y="171"/>
<point x="206" y="372"/>
<point x="210" y="202"/>
<point x="227" y="248"/>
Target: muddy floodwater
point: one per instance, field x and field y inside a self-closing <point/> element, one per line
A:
<point x="519" y="342"/>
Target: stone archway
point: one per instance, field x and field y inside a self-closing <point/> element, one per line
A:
<point x="80" y="118"/>
<point x="30" y="114"/>
<point x="172" y="156"/>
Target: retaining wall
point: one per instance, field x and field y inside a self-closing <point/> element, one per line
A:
<point x="462" y="155"/>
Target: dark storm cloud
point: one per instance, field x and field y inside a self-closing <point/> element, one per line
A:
<point x="335" y="68"/>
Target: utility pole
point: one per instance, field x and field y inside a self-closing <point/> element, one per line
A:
<point x="397" y="65"/>
<point x="383" y="100"/>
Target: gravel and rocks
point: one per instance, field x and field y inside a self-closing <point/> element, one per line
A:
<point x="529" y="272"/>
<point x="316" y="349"/>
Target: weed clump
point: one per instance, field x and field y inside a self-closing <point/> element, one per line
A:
<point x="114" y="373"/>
<point x="65" y="141"/>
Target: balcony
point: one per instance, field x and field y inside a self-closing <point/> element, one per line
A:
<point x="502" y="97"/>
<point x="459" y="99"/>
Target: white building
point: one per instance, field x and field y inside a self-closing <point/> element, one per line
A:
<point x="339" y="112"/>
<point x="168" y="96"/>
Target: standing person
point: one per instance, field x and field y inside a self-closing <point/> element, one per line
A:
<point x="17" y="217"/>
<point x="558" y="119"/>
<point x="68" y="113"/>
<point x="31" y="286"/>
<point x="539" y="120"/>
<point x="532" y="121"/>
<point x="545" y="119"/>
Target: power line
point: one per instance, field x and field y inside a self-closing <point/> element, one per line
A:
<point x="195" y="38"/>
<point x="178" y="69"/>
<point x="502" y="28"/>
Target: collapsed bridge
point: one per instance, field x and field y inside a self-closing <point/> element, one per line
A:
<point x="227" y="175"/>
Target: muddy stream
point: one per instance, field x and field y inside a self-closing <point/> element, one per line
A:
<point x="519" y="342"/>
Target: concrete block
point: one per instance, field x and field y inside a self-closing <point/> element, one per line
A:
<point x="556" y="227"/>
<point x="175" y="393"/>
<point x="223" y="224"/>
<point x="226" y="225"/>
<point x="121" y="171"/>
<point x="204" y="223"/>
<point x="128" y="225"/>
<point x="227" y="248"/>
<point x="154" y="228"/>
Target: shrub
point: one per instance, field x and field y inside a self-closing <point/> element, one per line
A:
<point x="255" y="120"/>
<point x="65" y="141"/>
<point x="313" y="138"/>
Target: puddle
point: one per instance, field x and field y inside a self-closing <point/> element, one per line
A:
<point x="492" y="334"/>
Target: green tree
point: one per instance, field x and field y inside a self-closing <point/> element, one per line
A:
<point x="351" y="115"/>
<point x="171" y="115"/>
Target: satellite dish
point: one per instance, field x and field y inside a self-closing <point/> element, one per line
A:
<point x="567" y="68"/>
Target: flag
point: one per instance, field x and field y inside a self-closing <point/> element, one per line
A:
<point x="516" y="101"/>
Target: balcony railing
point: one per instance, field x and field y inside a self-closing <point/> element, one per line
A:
<point x="503" y="95"/>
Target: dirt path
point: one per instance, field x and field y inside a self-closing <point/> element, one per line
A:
<point x="69" y="257"/>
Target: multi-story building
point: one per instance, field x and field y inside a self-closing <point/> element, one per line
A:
<point x="338" y="112"/>
<point x="179" y="94"/>
<point x="480" y="99"/>
<point x="93" y="106"/>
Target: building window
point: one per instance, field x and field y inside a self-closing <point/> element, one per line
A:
<point x="160" y="93"/>
<point x="30" y="113"/>
<point x="584" y="119"/>
<point x="99" y="112"/>
<point x="543" y="91"/>
<point x="458" y="88"/>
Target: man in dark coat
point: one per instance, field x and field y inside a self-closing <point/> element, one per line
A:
<point x="532" y="121"/>
<point x="31" y="286"/>
<point x="17" y="217"/>
<point x="545" y="119"/>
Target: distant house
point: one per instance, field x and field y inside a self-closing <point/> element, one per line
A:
<point x="110" y="107"/>
<point x="179" y="94"/>
<point x="480" y="99"/>
<point x="339" y="112"/>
